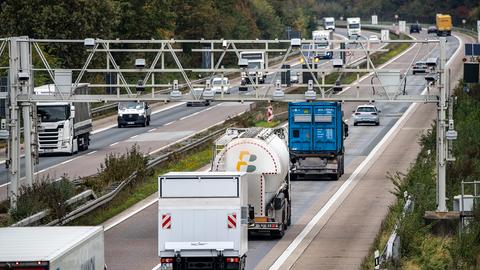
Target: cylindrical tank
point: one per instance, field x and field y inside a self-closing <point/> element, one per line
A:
<point x="264" y="154"/>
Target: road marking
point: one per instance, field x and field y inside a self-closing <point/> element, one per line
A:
<point x="134" y="136"/>
<point x="70" y="160"/>
<point x="155" y="112"/>
<point x="169" y="123"/>
<point x="153" y="129"/>
<point x="6" y="184"/>
<point x="91" y="153"/>
<point x="115" y="143"/>
<point x="300" y="237"/>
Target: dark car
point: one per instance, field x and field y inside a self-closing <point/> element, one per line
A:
<point x="432" y="29"/>
<point x="415" y="28"/>
<point x="419" y="67"/>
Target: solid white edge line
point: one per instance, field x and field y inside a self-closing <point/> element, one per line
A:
<point x="115" y="143"/>
<point x="300" y="237"/>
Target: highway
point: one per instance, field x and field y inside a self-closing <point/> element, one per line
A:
<point x="132" y="244"/>
<point x="135" y="237"/>
<point x="169" y="124"/>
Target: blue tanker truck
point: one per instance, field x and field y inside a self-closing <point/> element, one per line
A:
<point x="315" y="140"/>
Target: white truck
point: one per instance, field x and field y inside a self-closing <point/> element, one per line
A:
<point x="203" y="220"/>
<point x="322" y="44"/>
<point x="132" y="113"/>
<point x="220" y="85"/>
<point x="354" y="27"/>
<point x="52" y="248"/>
<point x="64" y="127"/>
<point x="329" y="23"/>
<point x="256" y="61"/>
<point x="262" y="153"/>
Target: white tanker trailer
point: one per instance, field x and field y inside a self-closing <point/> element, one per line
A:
<point x="263" y="153"/>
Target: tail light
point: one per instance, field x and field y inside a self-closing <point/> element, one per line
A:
<point x="166" y="260"/>
<point x="374" y="113"/>
<point x="232" y="260"/>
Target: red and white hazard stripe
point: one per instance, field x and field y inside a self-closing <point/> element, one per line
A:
<point x="232" y="221"/>
<point x="269" y="113"/>
<point x="166" y="221"/>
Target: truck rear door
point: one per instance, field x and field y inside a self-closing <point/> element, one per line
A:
<point x="325" y="129"/>
<point x="300" y="127"/>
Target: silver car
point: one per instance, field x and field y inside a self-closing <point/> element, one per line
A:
<point x="366" y="114"/>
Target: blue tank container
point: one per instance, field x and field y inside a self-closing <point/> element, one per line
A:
<point x="315" y="127"/>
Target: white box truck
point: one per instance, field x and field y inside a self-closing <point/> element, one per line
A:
<point x="131" y="113"/>
<point x="65" y="127"/>
<point x="202" y="220"/>
<point x="354" y="27"/>
<point x="322" y="43"/>
<point x="329" y="23"/>
<point x="256" y="61"/>
<point x="262" y="153"/>
<point x="52" y="248"/>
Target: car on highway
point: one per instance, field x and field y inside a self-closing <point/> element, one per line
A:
<point x="419" y="67"/>
<point x="432" y="29"/>
<point x="198" y="92"/>
<point x="373" y="39"/>
<point x="415" y="28"/>
<point x="294" y="76"/>
<point x="366" y="114"/>
<point x="218" y="87"/>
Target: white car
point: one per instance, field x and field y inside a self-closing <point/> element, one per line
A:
<point x="366" y="114"/>
<point x="218" y="87"/>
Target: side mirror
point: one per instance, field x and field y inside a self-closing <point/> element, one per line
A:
<point x="72" y="112"/>
<point x="353" y="111"/>
<point x="379" y="111"/>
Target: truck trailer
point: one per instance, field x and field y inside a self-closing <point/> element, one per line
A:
<point x="64" y="127"/>
<point x="263" y="154"/>
<point x="203" y="220"/>
<point x="444" y="25"/>
<point x="52" y="248"/>
<point x="316" y="135"/>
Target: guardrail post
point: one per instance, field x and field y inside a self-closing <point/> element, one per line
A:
<point x="377" y="260"/>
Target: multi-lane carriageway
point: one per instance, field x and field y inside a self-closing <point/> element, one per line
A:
<point x="334" y="222"/>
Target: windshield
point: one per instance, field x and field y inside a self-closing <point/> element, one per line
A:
<point x="254" y="65"/>
<point x="365" y="109"/>
<point x="328" y="23"/>
<point x="354" y="25"/>
<point x="322" y="44"/>
<point x="130" y="105"/>
<point x="53" y="113"/>
<point x="219" y="82"/>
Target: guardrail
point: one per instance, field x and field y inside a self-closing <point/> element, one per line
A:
<point x="391" y="251"/>
<point x="104" y="199"/>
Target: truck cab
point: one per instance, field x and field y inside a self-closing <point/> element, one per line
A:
<point x="256" y="61"/>
<point x="64" y="127"/>
<point x="329" y="23"/>
<point x="354" y="28"/>
<point x="131" y="113"/>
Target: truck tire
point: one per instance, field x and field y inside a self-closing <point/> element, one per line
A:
<point x="144" y="124"/>
<point x="281" y="232"/>
<point x="289" y="213"/>
<point x="148" y="120"/>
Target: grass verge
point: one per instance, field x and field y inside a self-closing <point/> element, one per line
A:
<point x="421" y="249"/>
<point x="129" y="196"/>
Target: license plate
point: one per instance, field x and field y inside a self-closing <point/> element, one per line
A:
<point x="48" y="150"/>
<point x="130" y="123"/>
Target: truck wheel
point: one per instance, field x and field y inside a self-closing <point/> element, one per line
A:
<point x="148" y="120"/>
<point x="289" y="215"/>
<point x="119" y="125"/>
<point x="281" y="232"/>
<point x="144" y="124"/>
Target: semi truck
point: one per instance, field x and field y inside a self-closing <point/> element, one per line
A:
<point x="263" y="154"/>
<point x="133" y="113"/>
<point x="52" y="248"/>
<point x="322" y="44"/>
<point x="316" y="135"/>
<point x="203" y="220"/>
<point x="444" y="25"/>
<point x="354" y="27"/>
<point x="256" y="64"/>
<point x="329" y="23"/>
<point x="64" y="127"/>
